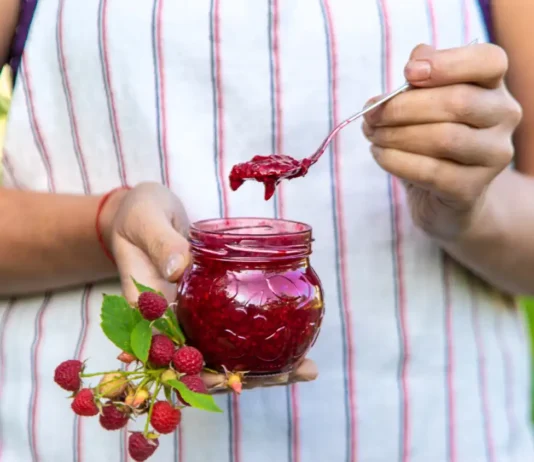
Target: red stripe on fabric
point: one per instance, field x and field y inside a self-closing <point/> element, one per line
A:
<point x="482" y="375"/>
<point x="433" y="31"/>
<point x="162" y="91"/>
<point x="108" y="77"/>
<point x="236" y="424"/>
<point x="342" y="241"/>
<point x="401" y="292"/>
<point x="277" y="96"/>
<point x="449" y="332"/>
<point x="7" y="315"/>
<point x="296" y="423"/>
<point x="220" y="106"/>
<point x="279" y="142"/>
<point x="467" y="19"/>
<point x="88" y="289"/>
<point x="36" y="375"/>
<point x="70" y="104"/>
<point x="37" y="128"/>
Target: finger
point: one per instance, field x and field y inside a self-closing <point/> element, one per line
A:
<point x="462" y="103"/>
<point x="482" y="64"/>
<point x="132" y="262"/>
<point x="214" y="381"/>
<point x="166" y="248"/>
<point x="457" y="142"/>
<point x="448" y="180"/>
<point x="306" y="372"/>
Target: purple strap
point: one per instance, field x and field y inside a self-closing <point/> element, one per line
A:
<point x="485" y="6"/>
<point x="28" y="8"/>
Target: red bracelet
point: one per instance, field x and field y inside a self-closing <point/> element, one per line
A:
<point x="99" y="236"/>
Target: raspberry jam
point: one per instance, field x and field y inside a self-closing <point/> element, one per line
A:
<point x="269" y="170"/>
<point x="250" y="301"/>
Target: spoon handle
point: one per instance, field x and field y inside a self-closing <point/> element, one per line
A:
<point x="352" y="118"/>
<point x="315" y="157"/>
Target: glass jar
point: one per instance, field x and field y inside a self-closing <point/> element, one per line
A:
<point x="250" y="301"/>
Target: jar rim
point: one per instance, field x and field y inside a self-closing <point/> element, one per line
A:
<point x="212" y="226"/>
<point x="250" y="239"/>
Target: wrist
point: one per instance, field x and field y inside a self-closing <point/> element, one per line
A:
<point x="109" y="205"/>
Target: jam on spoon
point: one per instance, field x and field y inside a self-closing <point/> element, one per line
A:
<point x="271" y="170"/>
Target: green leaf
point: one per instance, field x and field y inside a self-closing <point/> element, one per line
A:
<point x="168" y="394"/>
<point x="141" y="339"/>
<point x="528" y="305"/>
<point x="162" y="325"/>
<point x="141" y="288"/>
<point x="197" y="400"/>
<point x="118" y="320"/>
<point x="168" y="325"/>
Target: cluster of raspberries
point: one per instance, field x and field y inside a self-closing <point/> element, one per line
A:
<point x="117" y="399"/>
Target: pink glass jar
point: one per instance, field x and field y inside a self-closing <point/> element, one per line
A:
<point x="250" y="301"/>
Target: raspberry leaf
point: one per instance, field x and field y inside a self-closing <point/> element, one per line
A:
<point x="196" y="400"/>
<point x="169" y="326"/>
<point x="172" y="316"/>
<point x="118" y="320"/>
<point x="141" y="338"/>
<point x="141" y="288"/>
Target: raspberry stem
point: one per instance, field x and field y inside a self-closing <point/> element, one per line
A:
<point x="152" y="402"/>
<point x="96" y="374"/>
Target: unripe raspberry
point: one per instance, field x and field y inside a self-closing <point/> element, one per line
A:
<point x="112" y="385"/>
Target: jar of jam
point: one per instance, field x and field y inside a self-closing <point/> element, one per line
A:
<point x="250" y="301"/>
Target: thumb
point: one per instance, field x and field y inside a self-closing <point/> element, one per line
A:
<point x="167" y="249"/>
<point x="156" y="255"/>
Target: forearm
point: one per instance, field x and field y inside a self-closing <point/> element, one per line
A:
<point x="499" y="246"/>
<point x="48" y="241"/>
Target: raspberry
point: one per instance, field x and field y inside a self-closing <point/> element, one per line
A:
<point x="194" y="383"/>
<point x="141" y="448"/>
<point x="113" y="418"/>
<point x="151" y="305"/>
<point x="165" y="418"/>
<point x="67" y="375"/>
<point x="188" y="360"/>
<point x="84" y="403"/>
<point x="161" y="351"/>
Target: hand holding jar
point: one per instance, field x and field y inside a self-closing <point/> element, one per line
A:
<point x="247" y="312"/>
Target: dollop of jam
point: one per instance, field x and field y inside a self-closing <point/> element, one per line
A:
<point x="269" y="170"/>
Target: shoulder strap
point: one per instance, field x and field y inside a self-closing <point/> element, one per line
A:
<point x="27" y="10"/>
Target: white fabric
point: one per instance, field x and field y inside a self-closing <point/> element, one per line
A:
<point x="419" y="361"/>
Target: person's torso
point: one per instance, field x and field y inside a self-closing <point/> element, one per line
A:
<point x="419" y="361"/>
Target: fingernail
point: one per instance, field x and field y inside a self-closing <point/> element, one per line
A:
<point x="418" y="70"/>
<point x="174" y="264"/>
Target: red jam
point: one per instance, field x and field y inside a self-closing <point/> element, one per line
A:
<point x="251" y="301"/>
<point x="269" y="170"/>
